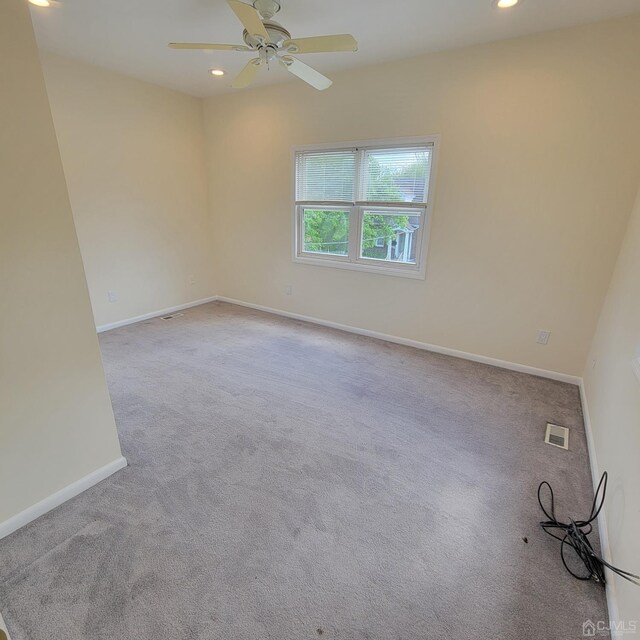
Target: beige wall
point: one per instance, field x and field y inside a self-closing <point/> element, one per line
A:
<point x="56" y="423"/>
<point x="613" y="398"/>
<point x="133" y="155"/>
<point x="537" y="174"/>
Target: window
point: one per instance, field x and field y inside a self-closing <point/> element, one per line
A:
<point x="365" y="206"/>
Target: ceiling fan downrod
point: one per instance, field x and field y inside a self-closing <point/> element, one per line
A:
<point x="266" y="8"/>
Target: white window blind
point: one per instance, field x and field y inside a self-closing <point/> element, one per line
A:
<point x="326" y="176"/>
<point x="395" y="175"/>
<point x="370" y="175"/>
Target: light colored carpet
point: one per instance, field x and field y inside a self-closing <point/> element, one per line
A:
<point x="290" y="482"/>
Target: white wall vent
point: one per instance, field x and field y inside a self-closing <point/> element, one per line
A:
<point x="557" y="436"/>
<point x="171" y="316"/>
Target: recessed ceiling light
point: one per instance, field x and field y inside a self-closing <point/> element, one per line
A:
<point x="506" y="4"/>
<point x="216" y="72"/>
<point x="40" y="3"/>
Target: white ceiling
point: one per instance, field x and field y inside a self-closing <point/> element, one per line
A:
<point x="131" y="36"/>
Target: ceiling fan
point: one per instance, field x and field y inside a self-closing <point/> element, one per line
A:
<point x="272" y="42"/>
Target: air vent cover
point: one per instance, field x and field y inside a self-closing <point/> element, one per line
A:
<point x="557" y="436"/>
<point x="171" y="316"/>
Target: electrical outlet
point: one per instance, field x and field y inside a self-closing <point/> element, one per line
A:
<point x="288" y="290"/>
<point x="113" y="296"/>
<point x="543" y="337"/>
<point x="192" y="279"/>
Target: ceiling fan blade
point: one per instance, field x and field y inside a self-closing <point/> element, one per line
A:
<point x="306" y="73"/>
<point x="207" y="45"/>
<point x="250" y="18"/>
<point x="322" y="44"/>
<point x="246" y="76"/>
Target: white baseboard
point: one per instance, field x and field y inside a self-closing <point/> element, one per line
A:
<point x="603" y="531"/>
<point x="504" y="364"/>
<point x="513" y="366"/>
<point x="154" y="314"/>
<point x="56" y="499"/>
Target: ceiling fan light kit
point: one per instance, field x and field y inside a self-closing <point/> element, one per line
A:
<point x="273" y="43"/>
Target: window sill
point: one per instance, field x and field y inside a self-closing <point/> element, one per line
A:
<point x="400" y="272"/>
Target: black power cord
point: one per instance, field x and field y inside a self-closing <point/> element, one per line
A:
<point x="575" y="534"/>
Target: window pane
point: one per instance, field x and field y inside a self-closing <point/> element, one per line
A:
<point x="326" y="231"/>
<point x="391" y="236"/>
<point x="325" y="176"/>
<point x="396" y="175"/>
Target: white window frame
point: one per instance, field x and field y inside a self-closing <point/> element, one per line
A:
<point x="357" y="209"/>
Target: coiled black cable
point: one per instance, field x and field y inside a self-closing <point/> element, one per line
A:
<point x="575" y="534"/>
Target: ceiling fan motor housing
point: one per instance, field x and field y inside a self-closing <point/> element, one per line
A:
<point x="277" y="35"/>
